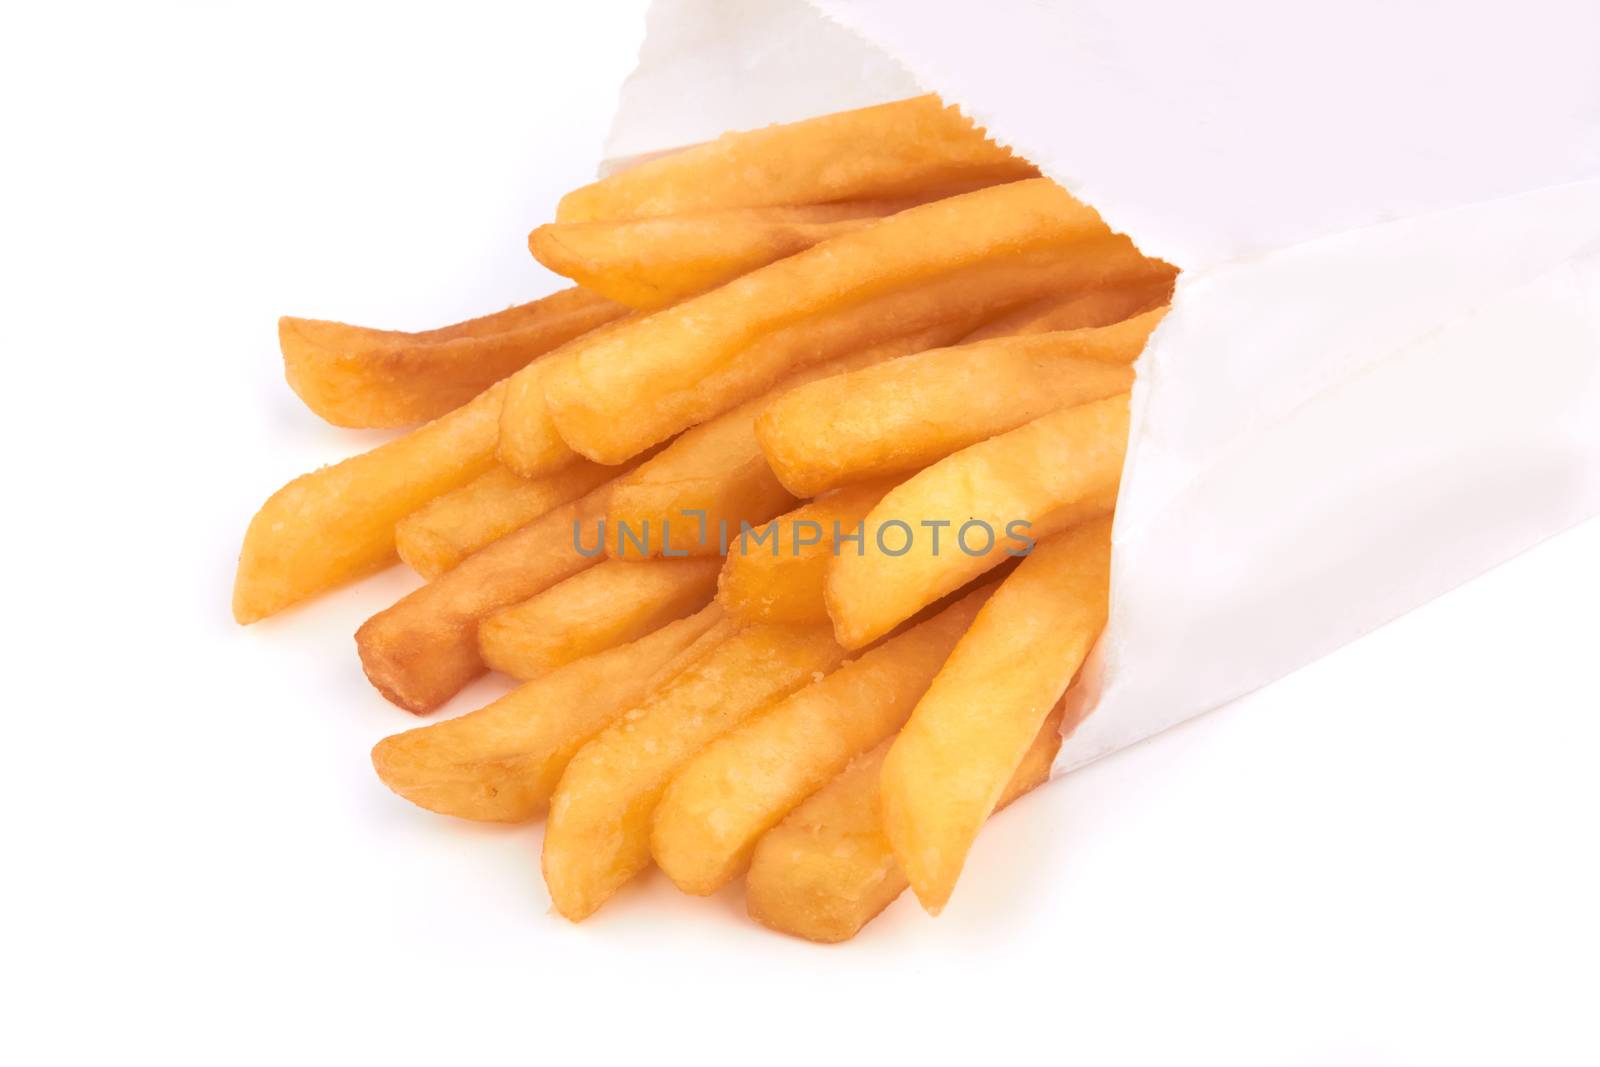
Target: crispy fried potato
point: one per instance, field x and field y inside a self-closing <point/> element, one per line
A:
<point x="1054" y="472"/>
<point x="452" y="527"/>
<point x="948" y="767"/>
<point x="1086" y="308"/>
<point x="827" y="870"/>
<point x="337" y="524"/>
<point x="743" y="783"/>
<point x="694" y="494"/>
<point x="599" y="831"/>
<point x="596" y="609"/>
<point x="532" y="445"/>
<point x="777" y="574"/>
<point x="501" y="762"/>
<point x="904" y="148"/>
<point x="420" y="652"/>
<point x="650" y="263"/>
<point x="529" y="442"/>
<point x="356" y="376"/>
<point x="624" y="388"/>
<point x="898" y="417"/>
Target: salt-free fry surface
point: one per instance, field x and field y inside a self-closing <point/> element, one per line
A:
<point x="501" y="762"/>
<point x="360" y="377"/>
<point x="949" y="766"/>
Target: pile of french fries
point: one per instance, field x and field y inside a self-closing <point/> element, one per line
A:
<point x="792" y="518"/>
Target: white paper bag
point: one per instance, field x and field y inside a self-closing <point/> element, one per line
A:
<point x="1381" y="373"/>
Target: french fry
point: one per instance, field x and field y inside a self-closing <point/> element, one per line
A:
<point x="948" y="768"/>
<point x="337" y="524"/>
<point x="742" y="784"/>
<point x="596" y="609"/>
<point x="784" y="582"/>
<point x="993" y="499"/>
<point x="452" y="527"/>
<point x="501" y="762"/>
<point x="903" y="148"/>
<point x="617" y="391"/>
<point x="531" y="443"/>
<point x="361" y="377"/>
<point x="1085" y="308"/>
<point x="692" y="496"/>
<point x="898" y="417"/>
<point x="650" y="263"/>
<point x="598" y="836"/>
<point x="695" y="491"/>
<point x="827" y="870"/>
<point x="420" y="652"/>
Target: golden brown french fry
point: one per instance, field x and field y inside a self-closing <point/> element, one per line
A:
<point x="356" y="376"/>
<point x="596" y="609"/>
<point x="452" y="527"/>
<point x="501" y="762"/>
<point x="993" y="500"/>
<point x="827" y="870"/>
<point x="650" y="263"/>
<point x="529" y="442"/>
<point x="777" y="574"/>
<point x="693" y="496"/>
<point x="337" y="524"/>
<point x="898" y="149"/>
<point x="420" y="652"/>
<point x="1086" y="308"/>
<point x="898" y="417"/>
<point x="599" y="831"/>
<point x="695" y="492"/>
<point x="532" y="445"/>
<point x="948" y="767"/>
<point x="624" y="388"/>
<point x="743" y="783"/>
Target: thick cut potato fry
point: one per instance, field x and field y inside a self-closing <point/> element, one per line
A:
<point x="949" y="766"/>
<point x="420" y="652"/>
<point x="650" y="263"/>
<point x="529" y="442"/>
<point x="898" y="417"/>
<point x="594" y="610"/>
<point x="452" y="527"/>
<point x="599" y="831"/>
<point x="532" y="445"/>
<point x="1052" y="473"/>
<point x="356" y="376"/>
<point x="337" y="524"/>
<point x="620" y="390"/>
<point x="898" y="149"/>
<point x="782" y="575"/>
<point x="501" y="762"/>
<point x="744" y="782"/>
<point x="1086" y="308"/>
<point x="694" y="494"/>
<point x="827" y="870"/>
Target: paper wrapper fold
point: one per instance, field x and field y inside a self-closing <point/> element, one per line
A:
<point x="1381" y="374"/>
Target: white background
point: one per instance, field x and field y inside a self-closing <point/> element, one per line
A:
<point x="1387" y="858"/>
